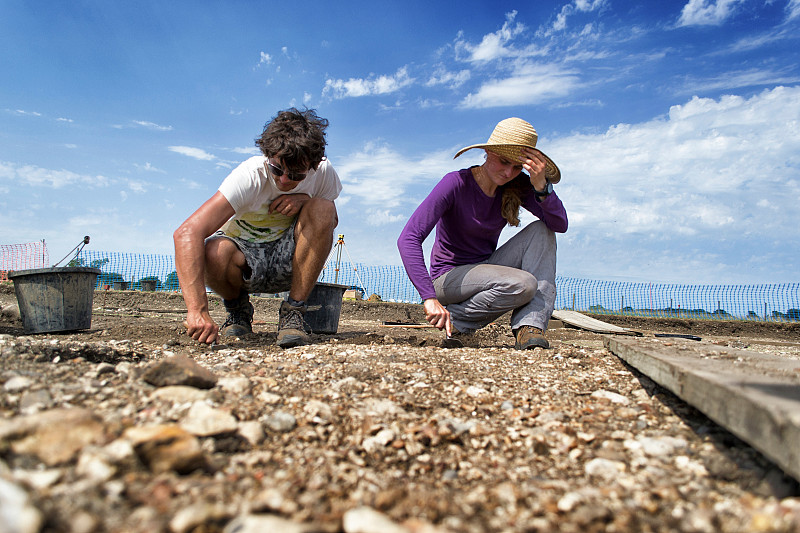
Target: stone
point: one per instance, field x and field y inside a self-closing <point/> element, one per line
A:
<point x="613" y="397"/>
<point x="17" y="514"/>
<point x="55" y="436"/>
<point x="17" y="384"/>
<point x="252" y="431"/>
<point x="367" y="520"/>
<point x="236" y="385"/>
<point x="281" y="422"/>
<point x="165" y="448"/>
<point x="206" y="421"/>
<point x="260" y="523"/>
<point x="179" y="394"/>
<point x="179" y="370"/>
<point x="606" y="469"/>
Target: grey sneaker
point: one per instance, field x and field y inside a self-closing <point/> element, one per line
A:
<point x="240" y="316"/>
<point x="291" y="326"/>
<point x="529" y="337"/>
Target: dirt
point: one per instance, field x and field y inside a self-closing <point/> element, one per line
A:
<point x="481" y="438"/>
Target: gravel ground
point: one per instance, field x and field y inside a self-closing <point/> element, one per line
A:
<point x="131" y="426"/>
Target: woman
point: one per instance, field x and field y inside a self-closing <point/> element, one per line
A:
<point x="471" y="281"/>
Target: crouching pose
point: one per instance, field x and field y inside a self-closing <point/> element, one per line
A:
<point x="471" y="281"/>
<point x="269" y="228"/>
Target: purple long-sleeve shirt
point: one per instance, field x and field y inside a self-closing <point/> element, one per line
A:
<point x="468" y="225"/>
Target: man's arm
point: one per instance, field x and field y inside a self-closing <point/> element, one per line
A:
<point x="190" y="264"/>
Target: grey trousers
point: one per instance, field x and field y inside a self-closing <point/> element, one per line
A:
<point x="518" y="276"/>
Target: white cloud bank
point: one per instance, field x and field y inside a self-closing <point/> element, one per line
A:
<point x="714" y="178"/>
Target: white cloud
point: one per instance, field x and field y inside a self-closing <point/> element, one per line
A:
<point x="32" y="175"/>
<point x="707" y="12"/>
<point x="147" y="167"/>
<point x="355" y="87"/>
<point x="22" y="112"/>
<point x="530" y="83"/>
<point x="711" y="175"/>
<point x="582" y="6"/>
<point x="793" y="9"/>
<point x="195" y="153"/>
<point x="743" y="78"/>
<point x="246" y="151"/>
<point x="372" y="174"/>
<point x="382" y="217"/>
<point x="493" y="45"/>
<point x="265" y="59"/>
<point x="152" y="125"/>
<point x="441" y="76"/>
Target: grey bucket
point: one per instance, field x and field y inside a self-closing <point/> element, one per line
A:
<point x="120" y="285"/>
<point x="325" y="307"/>
<point x="148" y="285"/>
<point x="55" y="299"/>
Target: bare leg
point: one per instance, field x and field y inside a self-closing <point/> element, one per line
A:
<point x="313" y="237"/>
<point x="225" y="264"/>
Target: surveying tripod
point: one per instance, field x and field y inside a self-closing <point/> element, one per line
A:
<point x="337" y="250"/>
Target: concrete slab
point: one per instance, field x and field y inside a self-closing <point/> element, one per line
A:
<point x="753" y="395"/>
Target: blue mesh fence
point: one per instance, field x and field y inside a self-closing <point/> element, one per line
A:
<point x="773" y="302"/>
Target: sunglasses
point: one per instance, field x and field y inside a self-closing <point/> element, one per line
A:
<point x="293" y="176"/>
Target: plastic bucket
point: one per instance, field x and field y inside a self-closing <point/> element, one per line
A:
<point x="120" y="285"/>
<point x="148" y="285"/>
<point x="55" y="299"/>
<point x="325" y="307"/>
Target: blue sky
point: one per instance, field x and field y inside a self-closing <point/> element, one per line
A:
<point x="676" y="124"/>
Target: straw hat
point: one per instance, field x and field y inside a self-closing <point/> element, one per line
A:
<point x="508" y="139"/>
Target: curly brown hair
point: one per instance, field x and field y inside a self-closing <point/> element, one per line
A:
<point x="295" y="137"/>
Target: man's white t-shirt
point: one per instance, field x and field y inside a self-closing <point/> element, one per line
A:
<point x="250" y="189"/>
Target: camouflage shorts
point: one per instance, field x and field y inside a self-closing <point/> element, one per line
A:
<point x="269" y="263"/>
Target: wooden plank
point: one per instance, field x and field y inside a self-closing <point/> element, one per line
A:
<point x="588" y="323"/>
<point x="755" y="396"/>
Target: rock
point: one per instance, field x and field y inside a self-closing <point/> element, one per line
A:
<point x="656" y="446"/>
<point x="474" y="391"/>
<point x="55" y="436"/>
<point x="179" y="394"/>
<point x="236" y="385"/>
<point x="17" y="384"/>
<point x="205" y="421"/>
<point x="252" y="431"/>
<point x="179" y="370"/>
<point x="281" y="422"/>
<point x="368" y="520"/>
<point x="378" y="441"/>
<point x="606" y="469"/>
<point x="17" y="514"/>
<point x="36" y="400"/>
<point x="613" y="397"/>
<point x="195" y="516"/>
<point x="262" y="523"/>
<point x="165" y="448"/>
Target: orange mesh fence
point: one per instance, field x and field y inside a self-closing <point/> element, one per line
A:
<point x="22" y="257"/>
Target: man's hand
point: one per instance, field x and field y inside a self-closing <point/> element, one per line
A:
<point x="201" y="327"/>
<point x="437" y="315"/>
<point x="288" y="204"/>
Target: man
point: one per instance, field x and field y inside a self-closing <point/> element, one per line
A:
<point x="269" y="228"/>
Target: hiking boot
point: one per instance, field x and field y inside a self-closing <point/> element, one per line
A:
<point x="291" y="326"/>
<point x="529" y="337"/>
<point x="240" y="316"/>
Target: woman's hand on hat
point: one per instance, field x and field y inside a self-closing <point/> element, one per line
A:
<point x="534" y="163"/>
